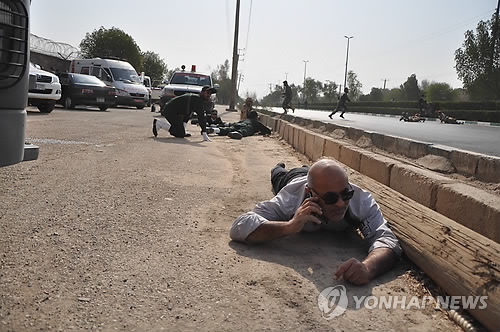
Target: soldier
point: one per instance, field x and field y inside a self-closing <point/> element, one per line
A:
<point x="242" y="128"/>
<point x="179" y="109"/>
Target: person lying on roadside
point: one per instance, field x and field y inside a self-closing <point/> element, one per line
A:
<point x="323" y="200"/>
<point x="242" y="128"/>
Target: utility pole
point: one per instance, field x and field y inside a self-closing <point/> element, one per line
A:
<point x="234" y="74"/>
<point x="239" y="80"/>
<point x="346" y="60"/>
<point x="385" y="80"/>
<point x="304" y="87"/>
<point x="494" y="36"/>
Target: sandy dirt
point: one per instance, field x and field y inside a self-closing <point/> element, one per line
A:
<point x="112" y="229"/>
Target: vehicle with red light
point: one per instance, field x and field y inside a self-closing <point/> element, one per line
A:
<point x="183" y="81"/>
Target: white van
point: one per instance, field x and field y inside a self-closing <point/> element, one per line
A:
<point x="119" y="74"/>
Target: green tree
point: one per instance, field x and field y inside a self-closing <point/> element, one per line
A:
<point x="394" y="94"/>
<point x="329" y="90"/>
<point x="274" y="98"/>
<point x="311" y="89"/>
<point x="375" y="94"/>
<point x="221" y="77"/>
<point x="154" y="66"/>
<point x="354" y="85"/>
<point x="111" y="43"/>
<point x="439" y="92"/>
<point x="409" y="89"/>
<point x="478" y="61"/>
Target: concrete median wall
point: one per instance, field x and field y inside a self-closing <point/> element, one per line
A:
<point x="467" y="205"/>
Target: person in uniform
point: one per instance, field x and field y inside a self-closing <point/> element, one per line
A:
<point x="179" y="109"/>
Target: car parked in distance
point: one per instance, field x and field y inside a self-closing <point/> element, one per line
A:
<point x="81" y="89"/>
<point x="44" y="89"/>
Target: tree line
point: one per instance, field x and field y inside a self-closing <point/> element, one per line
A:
<point x="477" y="66"/>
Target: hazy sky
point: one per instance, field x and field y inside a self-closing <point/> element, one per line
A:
<point x="392" y="38"/>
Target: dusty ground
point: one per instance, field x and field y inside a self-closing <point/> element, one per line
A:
<point x="112" y="229"/>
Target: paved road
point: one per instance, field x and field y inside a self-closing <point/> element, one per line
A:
<point x="112" y="229"/>
<point x="472" y="137"/>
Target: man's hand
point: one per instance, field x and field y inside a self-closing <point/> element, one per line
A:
<point x="304" y="214"/>
<point x="205" y="137"/>
<point x="353" y="271"/>
<point x="378" y="261"/>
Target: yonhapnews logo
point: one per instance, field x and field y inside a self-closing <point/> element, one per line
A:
<point x="333" y="302"/>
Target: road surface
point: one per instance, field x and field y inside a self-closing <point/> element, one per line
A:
<point x="112" y="229"/>
<point x="472" y="137"/>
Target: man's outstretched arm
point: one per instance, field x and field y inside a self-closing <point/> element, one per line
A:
<point x="378" y="261"/>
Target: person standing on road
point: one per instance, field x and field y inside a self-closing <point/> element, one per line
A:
<point x="287" y="102"/>
<point x="341" y="105"/>
<point x="323" y="200"/>
<point x="179" y="109"/>
<point x="422" y="104"/>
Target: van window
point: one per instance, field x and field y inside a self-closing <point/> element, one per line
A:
<point x="96" y="71"/>
<point x="84" y="70"/>
<point x="106" y="75"/>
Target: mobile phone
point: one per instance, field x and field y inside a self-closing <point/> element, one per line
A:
<point x="320" y="217"/>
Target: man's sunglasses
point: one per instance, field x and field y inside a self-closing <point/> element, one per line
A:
<point x="331" y="198"/>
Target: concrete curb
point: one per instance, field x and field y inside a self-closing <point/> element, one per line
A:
<point x="467" y="205"/>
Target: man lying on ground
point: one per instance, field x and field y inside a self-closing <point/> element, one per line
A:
<point x="242" y="128"/>
<point x="323" y="200"/>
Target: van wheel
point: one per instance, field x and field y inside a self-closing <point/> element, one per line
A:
<point x="103" y="108"/>
<point x="46" y="107"/>
<point x="68" y="103"/>
<point x="140" y="107"/>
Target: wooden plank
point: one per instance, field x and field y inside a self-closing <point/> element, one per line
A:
<point x="461" y="261"/>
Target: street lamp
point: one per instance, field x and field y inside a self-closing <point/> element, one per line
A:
<point x="346" y="59"/>
<point x="304" y="87"/>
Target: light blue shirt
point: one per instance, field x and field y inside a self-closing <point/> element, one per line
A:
<point x="283" y="206"/>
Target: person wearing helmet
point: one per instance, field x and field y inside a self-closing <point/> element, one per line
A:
<point x="341" y="106"/>
<point x="287" y="102"/>
<point x="246" y="108"/>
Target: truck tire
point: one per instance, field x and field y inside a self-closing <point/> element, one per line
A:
<point x="46" y="107"/>
<point x="68" y="103"/>
<point x="140" y="107"/>
<point x="103" y="108"/>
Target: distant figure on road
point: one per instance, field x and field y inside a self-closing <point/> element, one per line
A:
<point x="179" y="109"/>
<point x="341" y="106"/>
<point x="422" y="104"/>
<point x="321" y="200"/>
<point x="287" y="102"/>
<point x="414" y="118"/>
<point x="448" y="119"/>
